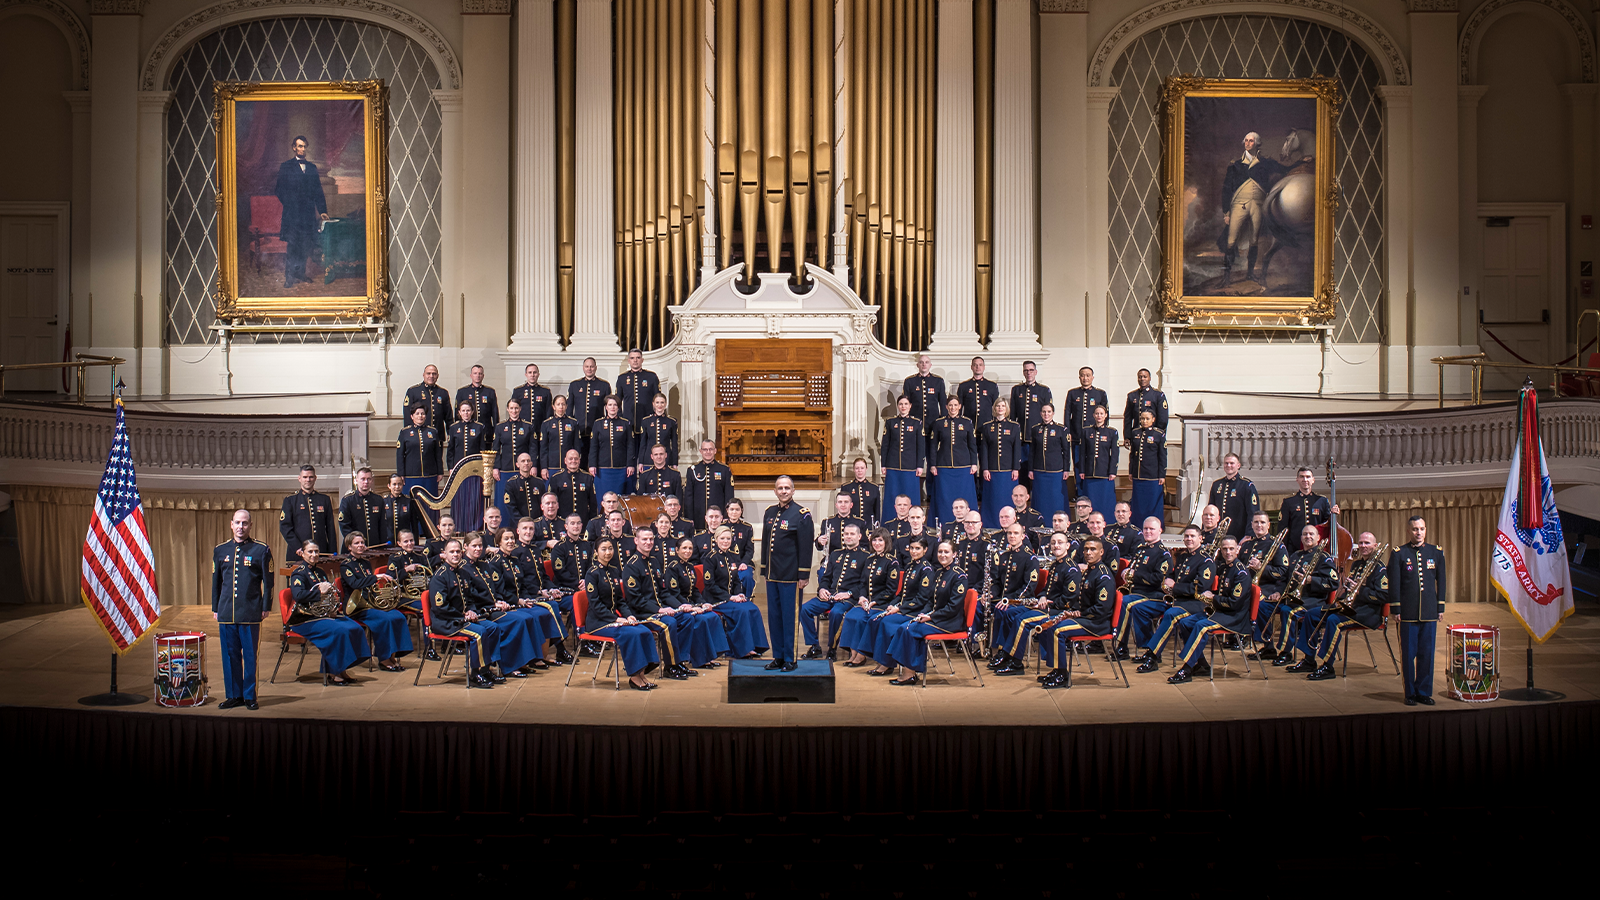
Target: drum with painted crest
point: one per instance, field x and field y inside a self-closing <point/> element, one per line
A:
<point x="180" y="668"/>
<point x="1472" y="670"/>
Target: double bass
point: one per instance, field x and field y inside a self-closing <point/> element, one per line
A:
<point x="1341" y="548"/>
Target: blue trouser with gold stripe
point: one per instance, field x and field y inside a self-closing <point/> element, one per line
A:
<point x="239" y="660"/>
<point x="1303" y="624"/>
<point x="835" y="611"/>
<point x="1012" y="626"/>
<point x="1166" y="628"/>
<point x="1416" y="657"/>
<point x="671" y="629"/>
<point x="1264" y="616"/>
<point x="1330" y="635"/>
<point x="780" y="618"/>
<point x="1196" y="630"/>
<point x="1054" y="642"/>
<point x="483" y="643"/>
<point x="1139" y="616"/>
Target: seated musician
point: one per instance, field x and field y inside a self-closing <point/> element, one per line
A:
<point x="681" y="527"/>
<point x="830" y="532"/>
<point x="1018" y="611"/>
<point x="1312" y="578"/>
<point x="726" y="592"/>
<point x="1361" y="605"/>
<point x="609" y="616"/>
<point x="1210" y="518"/>
<point x="1027" y="515"/>
<point x="620" y="533"/>
<point x="1123" y="532"/>
<point x="390" y="636"/>
<point x="665" y="542"/>
<point x="899" y="525"/>
<point x="524" y="493"/>
<point x="972" y="548"/>
<point x="523" y="575"/>
<point x="536" y="570"/>
<point x="838" y="586"/>
<point x="1081" y="508"/>
<point x="709" y="638"/>
<point x="658" y="477"/>
<point x="435" y="547"/>
<point x="341" y="640"/>
<point x="947" y="614"/>
<point x="956" y="528"/>
<point x="916" y="525"/>
<point x="645" y="596"/>
<point x="1267" y="558"/>
<point x="610" y="502"/>
<point x="550" y="526"/>
<point x="744" y="543"/>
<point x="880" y="585"/>
<point x="1113" y="553"/>
<point x="916" y="597"/>
<point x="492" y="519"/>
<point x="1230" y="612"/>
<point x="454" y="613"/>
<point x="1147" y="569"/>
<point x="1062" y="522"/>
<point x="705" y="542"/>
<point x="1088" y="614"/>
<point x="410" y="562"/>
<point x="521" y="638"/>
<point x="1187" y="588"/>
<point x="1013" y="587"/>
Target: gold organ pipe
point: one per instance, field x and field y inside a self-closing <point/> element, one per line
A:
<point x="749" y="129"/>
<point x="727" y="106"/>
<point x="856" y="190"/>
<point x="627" y="134"/>
<point x="886" y="148"/>
<point x="929" y="167"/>
<point x="774" y="143"/>
<point x="655" y="315"/>
<point x="674" y="154"/>
<point x="566" y="24"/>
<point x="822" y="50"/>
<point x="693" y="28"/>
<point x="641" y="215"/>
<point x="899" y="160"/>
<point x="872" y="126"/>
<point x="983" y="158"/>
<point x="914" y="173"/>
<point x="653" y="214"/>
<point x="800" y="130"/>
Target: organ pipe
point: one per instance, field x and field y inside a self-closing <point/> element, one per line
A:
<point x="566" y="23"/>
<point x="983" y="158"/>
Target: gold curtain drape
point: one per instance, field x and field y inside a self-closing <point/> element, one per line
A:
<point x="184" y="529"/>
<point x="1461" y="523"/>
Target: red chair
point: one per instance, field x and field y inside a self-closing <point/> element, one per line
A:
<point x="580" y="614"/>
<point x="1364" y="631"/>
<point x="1247" y="640"/>
<point x="1110" y="641"/>
<point x="266" y="226"/>
<point x="431" y="637"/>
<point x="699" y="580"/>
<point x="1122" y="572"/>
<point x="960" y="637"/>
<point x="290" y="638"/>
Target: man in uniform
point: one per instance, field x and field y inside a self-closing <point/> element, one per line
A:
<point x="1079" y="412"/>
<point x="1027" y="401"/>
<point x="241" y="598"/>
<point x="557" y="435"/>
<point x="831" y="537"/>
<point x="1013" y="584"/>
<point x="362" y="510"/>
<point x="574" y="488"/>
<point x="1416" y="577"/>
<point x="838" y="589"/>
<point x="307" y="515"/>
<point x="586" y="401"/>
<point x="638" y="388"/>
<point x="1234" y="496"/>
<point x="1189" y="585"/>
<point x="1244" y="191"/>
<point x="786" y="536"/>
<point x="1304" y="507"/>
<point x="977" y="395"/>
<point x="524" y="493"/>
<point x="429" y="397"/>
<point x="485" y="407"/>
<point x="709" y="483"/>
<point x="513" y="438"/>
<point x="863" y="493"/>
<point x="658" y="477"/>
<point x="534" y="399"/>
<point x="926" y="393"/>
<point x="1145" y="397"/>
<point x="1147" y="571"/>
<point x="1361" y="606"/>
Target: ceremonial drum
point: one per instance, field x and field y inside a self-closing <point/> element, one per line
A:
<point x="1473" y="670"/>
<point x="641" y="509"/>
<point x="180" y="668"/>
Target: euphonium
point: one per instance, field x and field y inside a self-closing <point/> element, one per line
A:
<point x="1272" y="550"/>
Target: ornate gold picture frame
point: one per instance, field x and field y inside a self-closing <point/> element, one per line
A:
<point x="302" y="224"/>
<point x="1248" y="199"/>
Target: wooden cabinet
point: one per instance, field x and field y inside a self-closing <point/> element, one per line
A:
<point x="775" y="407"/>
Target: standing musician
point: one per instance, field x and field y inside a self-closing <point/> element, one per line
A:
<point x="524" y="492"/>
<point x="391" y="637"/>
<point x="947" y="614"/>
<point x="977" y="394"/>
<point x="611" y="452"/>
<point x="953" y="461"/>
<point x="1143" y="582"/>
<point x="574" y="489"/>
<point x="726" y="591"/>
<point x="1235" y="497"/>
<point x="1268" y="559"/>
<point x="585" y="402"/>
<point x="880" y="584"/>
<point x="708" y="638"/>
<point x="681" y="527"/>
<point x="1086" y="614"/>
<point x="1097" y="456"/>
<point x="659" y="477"/>
<point x="533" y="400"/>
<point x="1147" y="468"/>
<point x="434" y="401"/>
<point x="396" y="512"/>
<point x="435" y="546"/>
<point x="831" y="537"/>
<point x="708" y="483"/>
<point x="864" y="495"/>
<point x="999" y="454"/>
<point x="241" y="598"/>
<point x="657" y="429"/>
<point x="1416" y="573"/>
<point x="1230" y="612"/>
<point x="608" y="614"/>
<point x="454" y="613"/>
<point x="903" y="454"/>
<point x="1187" y="589"/>
<point x="900" y="525"/>
<point x="1026" y="400"/>
<point x="915" y="597"/>
<point x="926" y="392"/>
<point x="638" y="387"/>
<point x="786" y="537"/>
<point x="1079" y="413"/>
<point x="1314" y="569"/>
<point x="839" y="585"/>
<point x="306" y="515"/>
<point x="1144" y="399"/>
<point x="513" y="438"/>
<point x="616" y="528"/>
<point x="1364" y="600"/>
<point x="1018" y="609"/>
<point x="485" y="407"/>
<point x="419" y="453"/>
<point x="1305" y="507"/>
<point x="644" y="592"/>
<point x="1050" y="455"/>
<point x="557" y="435"/>
<point x="342" y="642"/>
<point x="463" y="438"/>
<point x="361" y="509"/>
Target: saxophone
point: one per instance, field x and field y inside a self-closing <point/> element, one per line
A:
<point x="1302" y="573"/>
<point x="1346" y="606"/>
<point x="1210" y="547"/>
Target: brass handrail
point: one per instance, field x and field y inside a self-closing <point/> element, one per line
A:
<point x="83" y="361"/>
<point x="1480" y="361"/>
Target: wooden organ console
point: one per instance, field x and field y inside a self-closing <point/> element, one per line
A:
<point x="775" y="407"/>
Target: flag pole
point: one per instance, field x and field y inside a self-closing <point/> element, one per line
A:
<point x="114" y="697"/>
<point x="1530" y="692"/>
<point x="1532" y="452"/>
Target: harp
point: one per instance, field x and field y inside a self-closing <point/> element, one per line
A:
<point x="467" y="491"/>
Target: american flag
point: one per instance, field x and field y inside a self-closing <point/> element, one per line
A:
<point x="119" y="576"/>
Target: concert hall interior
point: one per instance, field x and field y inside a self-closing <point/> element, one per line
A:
<point x="1325" y="267"/>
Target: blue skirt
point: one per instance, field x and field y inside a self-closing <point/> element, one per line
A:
<point x="745" y="632"/>
<point x="636" y="644"/>
<point x="952" y="483"/>
<point x="391" y="636"/>
<point x="521" y="639"/>
<point x="996" y="496"/>
<point x="609" y="480"/>
<point x="907" y="647"/>
<point x="1049" y="494"/>
<point x="708" y="639"/>
<point x="878" y="634"/>
<point x="895" y="483"/>
<point x="854" y="632"/>
<point x="1103" y="494"/>
<point x="343" y="642"/>
<point x="1147" y="502"/>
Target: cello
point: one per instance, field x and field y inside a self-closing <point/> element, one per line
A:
<point x="1339" y="548"/>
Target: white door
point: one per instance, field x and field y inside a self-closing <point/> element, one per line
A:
<point x="1516" y="303"/>
<point x="30" y="277"/>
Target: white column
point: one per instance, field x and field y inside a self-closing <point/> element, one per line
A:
<point x="535" y="283"/>
<point x="1581" y="113"/>
<point x="1016" y="198"/>
<point x="1396" y="375"/>
<point x="1467" y="99"/>
<point x="1436" y="203"/>
<point x="149" y="366"/>
<point x="1096" y="328"/>
<point x="79" y="101"/>
<point x="111" y="326"/>
<point x="594" y="233"/>
<point x="451" y="292"/>
<point x="955" y="258"/>
<point x="1063" y="186"/>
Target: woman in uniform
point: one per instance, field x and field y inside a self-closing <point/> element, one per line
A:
<point x="880" y="585"/>
<point x="999" y="449"/>
<point x="341" y="641"/>
<point x="391" y="637"/>
<point x="611" y="450"/>
<point x="916" y="597"/>
<point x="1098" y="461"/>
<point x="953" y="461"/>
<point x="636" y="644"/>
<point x="948" y="613"/>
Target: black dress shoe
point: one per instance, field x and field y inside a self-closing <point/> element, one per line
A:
<point x="589" y="649"/>
<point x="1056" y="680"/>
<point x="1148" y="663"/>
<point x="1285" y="659"/>
<point x="879" y="673"/>
<point x="1304" y="665"/>
<point x="909" y="679"/>
<point x="813" y="652"/>
<point x="1012" y="667"/>
<point x="431" y="654"/>
<point x="1266" y="651"/>
<point x="1181" y="676"/>
<point x="1425" y="701"/>
<point x="1123" y="654"/>
<point x="538" y="664"/>
<point x="676" y="673"/>
<point x="251" y="704"/>
<point x="647" y="686"/>
<point x="1322" y="673"/>
<point x="712" y="665"/>
<point x="563" y="658"/>
<point x="774" y="666"/>
<point x="999" y="660"/>
<point x="497" y="678"/>
<point x="230" y="703"/>
<point x="832" y="656"/>
<point x="480" y="681"/>
<point x="518" y="673"/>
<point x="1200" y="668"/>
<point x="852" y="665"/>
<point x="1411" y="701"/>
<point x="790" y="666"/>
<point x="391" y="667"/>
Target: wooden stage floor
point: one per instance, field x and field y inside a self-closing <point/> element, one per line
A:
<point x="51" y="656"/>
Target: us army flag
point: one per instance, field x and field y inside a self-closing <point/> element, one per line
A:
<point x="1529" y="565"/>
